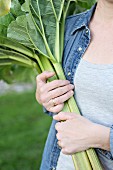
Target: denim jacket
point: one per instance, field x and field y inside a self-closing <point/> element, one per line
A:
<point x="77" y="39"/>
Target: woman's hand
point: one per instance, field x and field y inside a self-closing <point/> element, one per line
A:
<point x="52" y="95"/>
<point x="77" y="133"/>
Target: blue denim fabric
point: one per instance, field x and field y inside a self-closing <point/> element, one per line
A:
<point x="111" y="140"/>
<point x="77" y="39"/>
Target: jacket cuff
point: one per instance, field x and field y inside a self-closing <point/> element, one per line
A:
<point x="111" y="140"/>
<point x="47" y="112"/>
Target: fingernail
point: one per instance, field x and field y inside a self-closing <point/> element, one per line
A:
<point x="54" y="116"/>
<point x="68" y="81"/>
<point x="51" y="72"/>
<point x="72" y="92"/>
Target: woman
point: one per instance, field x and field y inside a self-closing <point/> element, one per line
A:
<point x="88" y="66"/>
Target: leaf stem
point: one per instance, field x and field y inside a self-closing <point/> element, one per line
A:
<point x="66" y="10"/>
<point x="34" y="20"/>
<point x="13" y="44"/>
<point x="44" y="37"/>
<point x="53" y="10"/>
<point x="57" y="44"/>
<point x="62" y="28"/>
<point x="61" y="10"/>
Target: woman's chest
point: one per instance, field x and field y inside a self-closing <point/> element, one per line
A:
<point x="94" y="91"/>
<point x="96" y="79"/>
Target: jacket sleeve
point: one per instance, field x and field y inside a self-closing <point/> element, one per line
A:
<point x="111" y="140"/>
<point x="47" y="112"/>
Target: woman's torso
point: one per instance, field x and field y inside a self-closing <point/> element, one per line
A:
<point x="94" y="84"/>
<point x="94" y="97"/>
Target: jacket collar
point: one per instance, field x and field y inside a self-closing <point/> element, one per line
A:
<point x="84" y="20"/>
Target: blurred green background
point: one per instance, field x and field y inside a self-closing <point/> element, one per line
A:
<point x="23" y="131"/>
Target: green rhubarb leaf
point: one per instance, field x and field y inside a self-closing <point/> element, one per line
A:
<point x="24" y="31"/>
<point x="4" y="7"/>
<point x="47" y="14"/>
<point x="83" y="5"/>
<point x="7" y="54"/>
<point x="4" y="23"/>
<point x="16" y="8"/>
<point x="37" y="29"/>
<point x="15" y="45"/>
<point x="43" y="13"/>
<point x="11" y="72"/>
<point x="13" y="65"/>
<point x="42" y="26"/>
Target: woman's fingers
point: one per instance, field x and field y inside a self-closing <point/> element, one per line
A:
<point x="62" y="116"/>
<point x="56" y="108"/>
<point x="55" y="84"/>
<point x="53" y="94"/>
<point x="64" y="97"/>
<point x="60" y="91"/>
<point x="58" y="101"/>
<point x="42" y="78"/>
<point x="40" y="83"/>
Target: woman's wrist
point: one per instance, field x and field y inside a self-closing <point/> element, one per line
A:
<point x="101" y="137"/>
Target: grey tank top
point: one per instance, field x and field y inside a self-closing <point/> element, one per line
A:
<point x="94" y="91"/>
<point x="94" y="97"/>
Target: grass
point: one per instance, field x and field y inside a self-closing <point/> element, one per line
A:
<point x="23" y="131"/>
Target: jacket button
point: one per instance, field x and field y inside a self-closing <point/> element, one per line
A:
<point x="69" y="73"/>
<point x="53" y="168"/>
<point x="80" y="49"/>
<point x="87" y="31"/>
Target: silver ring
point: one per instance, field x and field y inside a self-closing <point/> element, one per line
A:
<point x="54" y="103"/>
